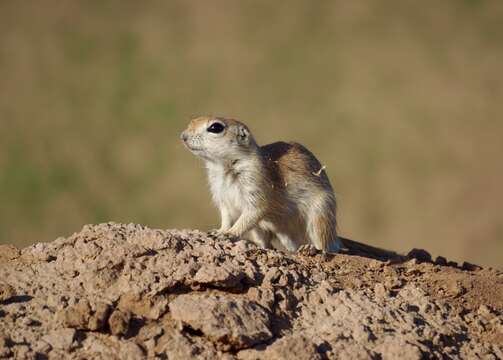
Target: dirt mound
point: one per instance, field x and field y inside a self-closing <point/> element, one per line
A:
<point x="126" y="291"/>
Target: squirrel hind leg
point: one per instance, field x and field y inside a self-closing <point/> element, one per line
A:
<point x="287" y="241"/>
<point x="322" y="227"/>
<point x="261" y="237"/>
<point x="334" y="245"/>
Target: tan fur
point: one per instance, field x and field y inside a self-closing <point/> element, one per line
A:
<point x="278" y="190"/>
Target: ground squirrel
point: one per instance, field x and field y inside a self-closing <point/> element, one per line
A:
<point x="278" y="190"/>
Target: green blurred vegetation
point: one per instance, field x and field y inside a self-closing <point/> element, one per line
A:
<point x="402" y="100"/>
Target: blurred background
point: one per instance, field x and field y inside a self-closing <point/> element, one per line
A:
<point x="401" y="100"/>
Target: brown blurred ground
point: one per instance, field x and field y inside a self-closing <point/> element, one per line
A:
<point x="402" y="100"/>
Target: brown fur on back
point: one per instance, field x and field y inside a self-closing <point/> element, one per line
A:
<point x="294" y="163"/>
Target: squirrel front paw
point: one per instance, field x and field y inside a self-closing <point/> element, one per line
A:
<point x="217" y="234"/>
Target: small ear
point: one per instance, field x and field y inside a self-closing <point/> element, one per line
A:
<point x="243" y="135"/>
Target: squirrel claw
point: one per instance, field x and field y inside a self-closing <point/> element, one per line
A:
<point x="307" y="250"/>
<point x="214" y="233"/>
<point x="220" y="235"/>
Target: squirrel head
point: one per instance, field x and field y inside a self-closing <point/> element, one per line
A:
<point x="218" y="139"/>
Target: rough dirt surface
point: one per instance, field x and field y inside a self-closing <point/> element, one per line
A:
<point x="129" y="292"/>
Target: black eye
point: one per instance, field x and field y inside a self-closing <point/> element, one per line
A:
<point x="216" y="128"/>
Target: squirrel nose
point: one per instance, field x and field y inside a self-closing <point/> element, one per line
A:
<point x="184" y="136"/>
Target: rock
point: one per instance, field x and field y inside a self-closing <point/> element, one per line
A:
<point x="292" y="347"/>
<point x="99" y="318"/>
<point x="396" y="348"/>
<point x="232" y="323"/>
<point x="456" y="289"/>
<point x="380" y="290"/>
<point x="99" y="346"/>
<point x="82" y="316"/>
<point x="126" y="291"/>
<point x="5" y="350"/>
<point x="219" y="276"/>
<point x="176" y="345"/>
<point x="23" y="352"/>
<point x="76" y="316"/>
<point x="119" y="322"/>
<point x="131" y="351"/>
<point x="6" y="292"/>
<point x="289" y="347"/>
<point x="271" y="276"/>
<point x="61" y="339"/>
<point x="143" y="306"/>
<point x="8" y="252"/>
<point x="150" y="331"/>
<point x="264" y="297"/>
<point x="42" y="347"/>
